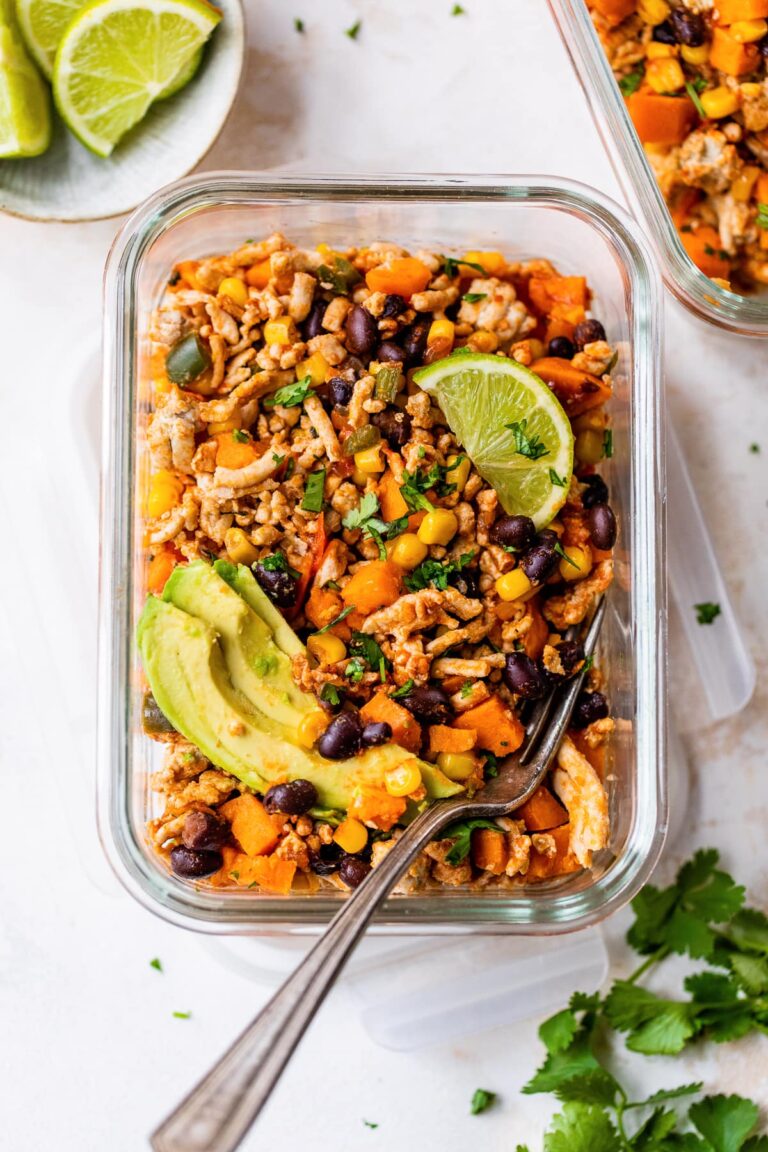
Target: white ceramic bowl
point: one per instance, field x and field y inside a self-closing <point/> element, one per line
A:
<point x="70" y="183"/>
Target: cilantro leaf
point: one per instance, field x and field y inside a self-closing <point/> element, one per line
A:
<point x="748" y="931"/>
<point x="581" y="1128"/>
<point x="665" y="1094"/>
<point x="557" y="1033"/>
<point x="290" y="395"/>
<point x="561" y="1066"/>
<point x="660" y="1124"/>
<point x="436" y="573"/>
<point x="403" y="690"/>
<point x="481" y="1101"/>
<point x="298" y="24"/>
<point x="530" y="446"/>
<point x="655" y="1026"/>
<point x="354" y="31"/>
<point x="277" y="562"/>
<point x="240" y="436"/>
<point x="336" y="620"/>
<point x="709" y="892"/>
<point x="156" y="964"/>
<point x="751" y="972"/>
<point x="474" y="297"/>
<point x="182" y="1015"/>
<point x="762" y="215"/>
<point x="451" y="266"/>
<point x="595" y="1087"/>
<point x="632" y="81"/>
<point x="557" y="481"/>
<point x="364" y="647"/>
<point x="370" y="1124"/>
<point x="355" y="670"/>
<point x="461" y="833"/>
<point x="330" y="693"/>
<point x="706" y="612"/>
<point x="457" y="10"/>
<point x="725" y="1121"/>
<point x="366" y="518"/>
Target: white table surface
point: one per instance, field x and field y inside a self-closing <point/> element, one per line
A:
<point x="91" y="1057"/>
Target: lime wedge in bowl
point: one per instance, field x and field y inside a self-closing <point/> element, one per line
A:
<point x="43" y="23"/>
<point x="118" y="56"/>
<point x="25" y="105"/>
<point x="512" y="427"/>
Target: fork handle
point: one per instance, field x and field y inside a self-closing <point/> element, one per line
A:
<point x="218" y="1112"/>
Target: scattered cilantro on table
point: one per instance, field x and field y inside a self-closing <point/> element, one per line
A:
<point x="156" y="964"/>
<point x="298" y="24"/>
<point x="481" y="1101"/>
<point x="706" y="612"/>
<point x="354" y="31"/>
<point x="457" y="10"/>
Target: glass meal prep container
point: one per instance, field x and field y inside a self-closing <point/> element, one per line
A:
<point x="747" y="315"/>
<point x="581" y="232"/>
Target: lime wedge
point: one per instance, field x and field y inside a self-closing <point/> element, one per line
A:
<point x="182" y="78"/>
<point x="529" y="464"/>
<point x="117" y="56"/>
<point x="42" y="24"/>
<point x="25" y="106"/>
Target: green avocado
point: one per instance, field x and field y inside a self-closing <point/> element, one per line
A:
<point x="202" y="695"/>
<point x="257" y="667"/>
<point x="246" y="585"/>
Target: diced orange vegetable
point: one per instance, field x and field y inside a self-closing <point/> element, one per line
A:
<point x="542" y="811"/>
<point x="406" y="730"/>
<point x="547" y="291"/>
<point x="393" y="506"/>
<point x="323" y="606"/>
<point x="614" y="11"/>
<point x="729" y="11"/>
<point x="374" y="585"/>
<point x="258" y="275"/>
<point x="271" y="873"/>
<point x="661" y="119"/>
<point x="762" y="188"/>
<point x="489" y="851"/>
<point x="703" y="247"/>
<point x="230" y="453"/>
<point x="187" y="270"/>
<point x="543" y="867"/>
<point x="160" y="568"/>
<point x="559" y="326"/>
<point x="376" y="806"/>
<point x="536" y="636"/>
<point x="442" y="738"/>
<point x="498" y="728"/>
<point x="252" y="826"/>
<point x="401" y="276"/>
<point x="684" y="202"/>
<point x="577" y="390"/>
<point x="731" y="55"/>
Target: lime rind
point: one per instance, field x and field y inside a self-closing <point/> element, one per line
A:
<point x="25" y="105"/>
<point x="480" y="396"/>
<point x="43" y="24"/>
<point x="118" y="56"/>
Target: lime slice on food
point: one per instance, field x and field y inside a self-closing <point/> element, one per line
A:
<point x="530" y="463"/>
<point x="182" y="78"/>
<point x="118" y="56"/>
<point x="25" y="105"/>
<point x="42" y="24"/>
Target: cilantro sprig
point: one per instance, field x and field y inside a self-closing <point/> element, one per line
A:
<point x="451" y="266"/>
<point x="531" y="446"/>
<point x="290" y="395"/>
<point x="632" y="81"/>
<point x="366" y="517"/>
<point x="436" y="573"/>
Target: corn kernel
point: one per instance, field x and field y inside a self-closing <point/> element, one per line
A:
<point x="577" y="566"/>
<point x="441" y="332"/>
<point x="223" y="426"/>
<point x="234" y="288"/>
<point x="594" y="418"/>
<point x="512" y="585"/>
<point x="351" y="836"/>
<point x="653" y="11"/>
<point x="408" y="551"/>
<point x="326" y="648"/>
<point x="719" y="102"/>
<point x="316" y="367"/>
<point x="311" y="728"/>
<point x="279" y="331"/>
<point x="360" y="479"/>
<point x="696" y="56"/>
<point x="491" y="262"/>
<point x="665" y="75"/>
<point x="741" y="188"/>
<point x="458" y="473"/>
<point x="165" y="492"/>
<point x="326" y="251"/>
<point x="748" y="31"/>
<point x="403" y="780"/>
<point x="239" y="548"/>
<point x="369" y="461"/>
<point x="656" y="51"/>
<point x="438" y="527"/>
<point x="588" y="446"/>
<point x="456" y="765"/>
<point x="483" y="341"/>
<point x="750" y="90"/>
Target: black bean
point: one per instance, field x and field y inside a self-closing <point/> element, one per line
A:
<point x="689" y="28"/>
<point x="389" y="352"/>
<point x="362" y="332"/>
<point x="602" y="526"/>
<point x="353" y="871"/>
<point x="326" y="860"/>
<point x="562" y="347"/>
<point x="377" y="732"/>
<point x="664" y="33"/>
<point x="313" y="325"/>
<point x="340" y="391"/>
<point x="394" y="425"/>
<point x="414" y="341"/>
<point x="191" y="864"/>
<point x="595" y="493"/>
<point x="590" y="706"/>
<point x="587" y="333"/>
<point x="571" y="654"/>
<point x="279" y="586"/>
<point x="293" y="798"/>
<point x="763" y="46"/>
<point x="523" y="676"/>
<point x="203" y="830"/>
<point x="428" y="704"/>
<point x="393" y="306"/>
<point x="465" y="582"/>
<point x="513" y="532"/>
<point x="342" y="737"/>
<point x="540" y="560"/>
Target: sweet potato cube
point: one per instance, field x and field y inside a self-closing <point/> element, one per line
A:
<point x="252" y="826"/>
<point x="731" y="11"/>
<point x="376" y="806"/>
<point x="536" y="636"/>
<point x="543" y="867"/>
<point x="614" y="11"/>
<point x="542" y="811"/>
<point x="406" y="730"/>
<point x="577" y="390"/>
<point x="489" y="850"/>
<point x="661" y="119"/>
<point x="731" y="55"/>
<point x="442" y="738"/>
<point x="391" y="499"/>
<point x="374" y="585"/>
<point x="704" y="248"/>
<point x="498" y="728"/>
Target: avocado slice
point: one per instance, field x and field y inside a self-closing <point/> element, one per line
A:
<point x="257" y="667"/>
<point x="190" y="680"/>
<point x="246" y="585"/>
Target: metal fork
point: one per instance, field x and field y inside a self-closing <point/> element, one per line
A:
<point x="218" y="1112"/>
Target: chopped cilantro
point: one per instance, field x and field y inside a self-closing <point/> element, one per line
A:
<point x="461" y="834"/>
<point x="451" y="266"/>
<point x="474" y="297"/>
<point x="693" y="89"/>
<point x="330" y="693"/>
<point x="354" y="31"/>
<point x="706" y="612"/>
<point x="557" y="481"/>
<point x="298" y="24"/>
<point x="466" y="689"/>
<point x="355" y="670"/>
<point x="490" y="764"/>
<point x="481" y="1100"/>
<point x="277" y="562"/>
<point x="156" y="964"/>
<point x="336" y="620"/>
<point x="290" y="468"/>
<point x="525" y="445"/>
<point x="754" y="448"/>
<point x="632" y="81"/>
<point x="333" y="585"/>
<point x="762" y="215"/>
<point x="370" y="1124"/>
<point x="241" y="436"/>
<point x="182" y="1015"/>
<point x="564" y="555"/>
<point x="608" y="443"/>
<point x="174" y="278"/>
<point x="366" y="518"/>
<point x="403" y="690"/>
<point x="290" y="395"/>
<point x="457" y="10"/>
<point x="314" y="491"/>
<point x="277" y="459"/>
<point x="435" y="573"/>
<point x="364" y="647"/>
